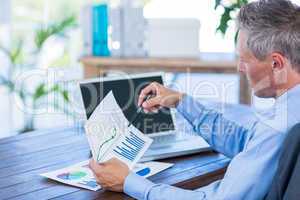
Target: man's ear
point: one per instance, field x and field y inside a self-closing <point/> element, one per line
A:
<point x="279" y="68"/>
<point x="278" y="61"/>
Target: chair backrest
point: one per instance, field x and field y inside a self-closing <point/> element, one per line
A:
<point x="285" y="184"/>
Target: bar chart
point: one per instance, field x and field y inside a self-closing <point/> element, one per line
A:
<point x="130" y="147"/>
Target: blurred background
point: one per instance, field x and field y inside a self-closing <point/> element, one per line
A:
<point x="43" y="41"/>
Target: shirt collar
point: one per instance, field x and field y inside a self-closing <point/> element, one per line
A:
<point x="278" y="117"/>
<point x="291" y="93"/>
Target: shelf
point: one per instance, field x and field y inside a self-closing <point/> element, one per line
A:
<point x="161" y="64"/>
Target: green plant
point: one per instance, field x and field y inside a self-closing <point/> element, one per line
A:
<point x="58" y="28"/>
<point x="230" y="7"/>
<point x="18" y="64"/>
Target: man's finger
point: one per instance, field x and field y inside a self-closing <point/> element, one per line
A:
<point x="151" y="103"/>
<point x="106" y="187"/>
<point x="147" y="90"/>
<point x="154" y="109"/>
<point x="113" y="160"/>
<point x="98" y="180"/>
<point x="94" y="166"/>
<point x="91" y="163"/>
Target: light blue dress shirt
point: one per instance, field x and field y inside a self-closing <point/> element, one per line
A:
<point x="254" y="151"/>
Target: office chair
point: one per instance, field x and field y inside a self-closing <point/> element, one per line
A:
<point x="285" y="184"/>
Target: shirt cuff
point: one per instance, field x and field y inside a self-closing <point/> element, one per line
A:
<point x="136" y="186"/>
<point x="190" y="108"/>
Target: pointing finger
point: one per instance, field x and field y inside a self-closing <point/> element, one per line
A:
<point x="152" y="88"/>
<point x="151" y="103"/>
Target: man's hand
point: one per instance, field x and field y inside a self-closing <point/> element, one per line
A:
<point x="163" y="97"/>
<point x="111" y="174"/>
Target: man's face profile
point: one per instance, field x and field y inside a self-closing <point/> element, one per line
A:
<point x="259" y="73"/>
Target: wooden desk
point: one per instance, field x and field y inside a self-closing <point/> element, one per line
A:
<point x="26" y="156"/>
<point x="97" y="66"/>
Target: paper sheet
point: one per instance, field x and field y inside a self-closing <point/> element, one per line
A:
<point x="80" y="175"/>
<point x="109" y="135"/>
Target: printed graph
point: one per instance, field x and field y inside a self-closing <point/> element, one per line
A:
<point x="104" y="146"/>
<point x="72" y="175"/>
<point x="130" y="147"/>
<point x="144" y="172"/>
<point x="89" y="183"/>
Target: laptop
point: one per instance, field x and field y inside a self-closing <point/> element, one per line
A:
<point x="169" y="140"/>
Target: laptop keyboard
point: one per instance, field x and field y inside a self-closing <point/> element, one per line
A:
<point x="166" y="140"/>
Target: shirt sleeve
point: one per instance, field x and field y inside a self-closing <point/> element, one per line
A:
<point x="224" y="136"/>
<point x="143" y="189"/>
<point x="243" y="178"/>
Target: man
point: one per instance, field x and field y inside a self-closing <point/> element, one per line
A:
<point x="269" y="55"/>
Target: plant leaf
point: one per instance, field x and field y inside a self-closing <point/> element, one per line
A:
<point x="65" y="94"/>
<point x="217" y="3"/>
<point x="39" y="92"/>
<point x="55" y="88"/>
<point x="43" y="34"/>
<point x="225" y="17"/>
<point x="7" y="83"/>
<point x="223" y="26"/>
<point x="16" y="53"/>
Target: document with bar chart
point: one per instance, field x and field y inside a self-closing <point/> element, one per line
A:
<point x="130" y="147"/>
<point x="110" y="137"/>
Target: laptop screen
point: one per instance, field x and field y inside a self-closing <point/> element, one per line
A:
<point x="126" y="92"/>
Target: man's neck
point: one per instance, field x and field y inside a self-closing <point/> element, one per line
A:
<point x="291" y="84"/>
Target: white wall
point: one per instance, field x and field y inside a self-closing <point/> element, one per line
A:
<point x="199" y="9"/>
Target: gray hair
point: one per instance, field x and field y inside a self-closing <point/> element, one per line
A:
<point x="272" y="26"/>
